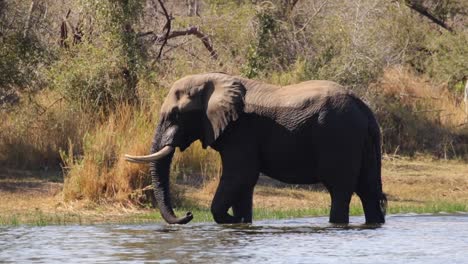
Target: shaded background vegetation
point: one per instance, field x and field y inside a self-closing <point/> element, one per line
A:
<point x="81" y="82"/>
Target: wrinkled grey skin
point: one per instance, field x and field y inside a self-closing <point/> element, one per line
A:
<point x="306" y="133"/>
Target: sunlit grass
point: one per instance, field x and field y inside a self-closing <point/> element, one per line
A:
<point x="40" y="218"/>
<point x="418" y="185"/>
<point x="430" y="208"/>
<point x="204" y="215"/>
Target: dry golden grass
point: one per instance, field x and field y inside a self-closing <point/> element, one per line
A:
<point x="268" y="197"/>
<point x="91" y="148"/>
<point x="28" y="194"/>
<point x="433" y="99"/>
<point x="204" y="163"/>
<point x="409" y="182"/>
<point x="417" y="115"/>
<point x="103" y="175"/>
<point x="32" y="197"/>
<point x="32" y="135"/>
<point x="416" y="182"/>
<point x="102" y="172"/>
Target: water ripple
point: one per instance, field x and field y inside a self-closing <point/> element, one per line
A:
<point x="409" y="238"/>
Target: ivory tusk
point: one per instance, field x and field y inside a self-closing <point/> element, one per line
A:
<point x="152" y="157"/>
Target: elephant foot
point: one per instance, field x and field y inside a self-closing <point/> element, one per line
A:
<point x="374" y="211"/>
<point x="226" y="218"/>
<point x="339" y="225"/>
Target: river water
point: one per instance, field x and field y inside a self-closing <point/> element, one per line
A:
<point x="404" y="239"/>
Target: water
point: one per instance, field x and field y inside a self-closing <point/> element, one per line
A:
<point x="404" y="239"/>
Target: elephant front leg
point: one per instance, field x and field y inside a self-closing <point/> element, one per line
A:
<point x="242" y="208"/>
<point x="239" y="157"/>
<point x="225" y="197"/>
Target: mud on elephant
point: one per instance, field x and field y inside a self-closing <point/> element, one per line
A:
<point x="311" y="132"/>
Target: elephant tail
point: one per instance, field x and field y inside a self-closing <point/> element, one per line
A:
<point x="371" y="170"/>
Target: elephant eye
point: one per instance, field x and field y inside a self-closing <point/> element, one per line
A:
<point x="174" y="115"/>
<point x="194" y="91"/>
<point x="191" y="93"/>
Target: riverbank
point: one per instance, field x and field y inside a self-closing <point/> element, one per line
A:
<point x="413" y="185"/>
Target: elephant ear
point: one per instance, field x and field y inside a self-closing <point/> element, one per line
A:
<point x="224" y="102"/>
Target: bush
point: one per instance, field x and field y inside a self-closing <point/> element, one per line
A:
<point x="20" y="62"/>
<point x="417" y="116"/>
<point x="447" y="62"/>
<point x="33" y="133"/>
<point x="92" y="78"/>
<point x="101" y="172"/>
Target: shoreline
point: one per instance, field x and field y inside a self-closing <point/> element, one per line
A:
<point x="40" y="218"/>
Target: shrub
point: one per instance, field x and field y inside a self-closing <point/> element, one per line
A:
<point x="417" y="116"/>
<point x="33" y="133"/>
<point x="92" y="78"/>
<point x="447" y="61"/>
<point x="20" y="66"/>
<point x="101" y="172"/>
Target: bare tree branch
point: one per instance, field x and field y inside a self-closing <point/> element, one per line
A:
<point x="28" y="19"/>
<point x="192" y="30"/>
<point x="76" y="31"/>
<point x="312" y="17"/>
<point x="167" y="27"/>
<point x="293" y="3"/>
<point x="465" y="99"/>
<point x="425" y="12"/>
<point x="64" y="30"/>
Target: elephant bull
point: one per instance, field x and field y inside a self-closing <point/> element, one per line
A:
<point x="311" y="132"/>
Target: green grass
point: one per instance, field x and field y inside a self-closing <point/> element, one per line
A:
<point x="204" y="215"/>
<point x="429" y="208"/>
<point x="39" y="218"/>
<point x="263" y="214"/>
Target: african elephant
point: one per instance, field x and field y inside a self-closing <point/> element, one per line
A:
<point x="311" y="132"/>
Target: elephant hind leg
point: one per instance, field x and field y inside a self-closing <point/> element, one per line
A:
<point x="374" y="207"/>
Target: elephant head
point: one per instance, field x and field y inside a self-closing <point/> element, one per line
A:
<point x="196" y="107"/>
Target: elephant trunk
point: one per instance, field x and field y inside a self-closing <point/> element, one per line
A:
<point x="159" y="171"/>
